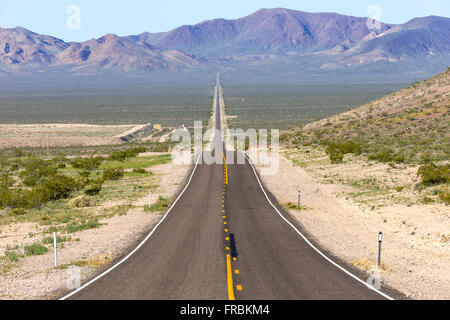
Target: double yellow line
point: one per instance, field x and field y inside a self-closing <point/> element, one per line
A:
<point x="229" y="267"/>
<point x="230" y="279"/>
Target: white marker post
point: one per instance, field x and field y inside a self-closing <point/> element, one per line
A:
<point x="380" y="239"/>
<point x="55" y="242"/>
<point x="299" y="195"/>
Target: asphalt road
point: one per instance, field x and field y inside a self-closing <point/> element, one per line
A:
<point x="223" y="240"/>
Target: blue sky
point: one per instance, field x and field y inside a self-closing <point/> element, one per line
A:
<point x="98" y="17"/>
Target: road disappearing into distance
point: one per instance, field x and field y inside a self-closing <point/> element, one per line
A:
<point x="225" y="239"/>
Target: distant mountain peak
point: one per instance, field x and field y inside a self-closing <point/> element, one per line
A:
<point x="267" y="36"/>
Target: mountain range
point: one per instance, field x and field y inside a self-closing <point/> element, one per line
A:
<point x="319" y="41"/>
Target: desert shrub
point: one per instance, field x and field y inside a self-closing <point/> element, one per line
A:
<point x="129" y="153"/>
<point x="88" y="164"/>
<point x="35" y="249"/>
<point x="35" y="171"/>
<point x="336" y="155"/>
<point x="337" y="149"/>
<point x="385" y="154"/>
<point x="433" y="174"/>
<point x="113" y="173"/>
<point x="94" y="187"/>
<point x="84" y="174"/>
<point x="55" y="187"/>
<point x="13" y="198"/>
<point x="284" y="137"/>
<point x="140" y="171"/>
<point x="118" y="156"/>
<point x="61" y="165"/>
<point x="133" y="152"/>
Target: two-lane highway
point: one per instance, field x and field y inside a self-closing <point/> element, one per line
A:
<point x="222" y="239"/>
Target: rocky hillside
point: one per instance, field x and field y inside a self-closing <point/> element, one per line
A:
<point x="411" y="126"/>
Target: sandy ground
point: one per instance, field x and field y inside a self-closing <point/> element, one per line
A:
<point x="415" y="249"/>
<point x="36" y="278"/>
<point x="39" y="135"/>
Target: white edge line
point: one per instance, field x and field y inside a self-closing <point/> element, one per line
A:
<point x="309" y="243"/>
<point x="143" y="241"/>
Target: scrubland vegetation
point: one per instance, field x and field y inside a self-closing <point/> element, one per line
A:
<point x="67" y="193"/>
<point x="408" y="128"/>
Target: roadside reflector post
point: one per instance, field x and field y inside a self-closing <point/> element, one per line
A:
<point x="299" y="196"/>
<point x="55" y="243"/>
<point x="380" y="239"/>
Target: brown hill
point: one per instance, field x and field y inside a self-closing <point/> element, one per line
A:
<point x="411" y="125"/>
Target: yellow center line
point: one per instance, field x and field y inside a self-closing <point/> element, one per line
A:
<point x="226" y="168"/>
<point x="229" y="269"/>
<point x="230" y="279"/>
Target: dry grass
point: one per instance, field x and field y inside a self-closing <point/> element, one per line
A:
<point x="95" y="263"/>
<point x="366" y="264"/>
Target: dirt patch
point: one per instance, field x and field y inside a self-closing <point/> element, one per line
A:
<point x="41" y="135"/>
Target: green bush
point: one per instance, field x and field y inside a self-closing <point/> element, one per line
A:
<point x="94" y="187"/>
<point x="130" y="153"/>
<point x="336" y="155"/>
<point x="36" y="170"/>
<point x="433" y="174"/>
<point x="35" y="249"/>
<point x="118" y="156"/>
<point x="113" y="174"/>
<point x="140" y="171"/>
<point x="56" y="187"/>
<point x="337" y="149"/>
<point x="88" y="164"/>
<point x="135" y="151"/>
<point x="385" y="154"/>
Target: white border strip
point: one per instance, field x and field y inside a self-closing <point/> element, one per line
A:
<point x="309" y="243"/>
<point x="143" y="241"/>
